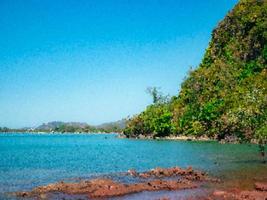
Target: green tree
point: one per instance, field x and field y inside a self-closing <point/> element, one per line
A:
<point x="226" y="96"/>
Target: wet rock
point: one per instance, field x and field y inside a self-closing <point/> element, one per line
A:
<point x="236" y="194"/>
<point x="261" y="186"/>
<point x="22" y="194"/>
<point x="155" y="185"/>
<point x="252" y="195"/>
<point x="43" y="196"/>
<point x="218" y="193"/>
<point x="164" y="198"/>
<point x="101" y="188"/>
<point x="132" y="172"/>
<point x="141" y="136"/>
<point x="188" y="173"/>
<point x="144" y="175"/>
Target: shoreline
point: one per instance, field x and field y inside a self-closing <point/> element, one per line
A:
<point x="120" y="176"/>
<point x="157" y="179"/>
<point x="121" y="135"/>
<point x="57" y="133"/>
<point x="230" y="140"/>
<point x="163" y="180"/>
<point x="171" y="137"/>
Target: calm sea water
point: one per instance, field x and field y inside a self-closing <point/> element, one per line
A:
<point x="30" y="160"/>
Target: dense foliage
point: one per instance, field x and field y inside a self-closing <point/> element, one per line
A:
<point x="227" y="94"/>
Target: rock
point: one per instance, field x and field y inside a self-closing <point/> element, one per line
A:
<point x="144" y="175"/>
<point x="219" y="193"/>
<point x="188" y="173"/>
<point x="251" y="195"/>
<point x="118" y="189"/>
<point x="132" y="172"/>
<point x="103" y="188"/>
<point x="164" y="198"/>
<point x="22" y="194"/>
<point x="141" y="136"/>
<point x="260" y="186"/>
<point x="43" y="196"/>
<point x="237" y="194"/>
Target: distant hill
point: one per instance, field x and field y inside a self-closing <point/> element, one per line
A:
<point x="56" y="124"/>
<point x="113" y="126"/>
<point x="59" y="126"/>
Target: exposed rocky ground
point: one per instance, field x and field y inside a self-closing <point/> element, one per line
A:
<point x="259" y="193"/>
<point x="154" y="180"/>
<point x="158" y="179"/>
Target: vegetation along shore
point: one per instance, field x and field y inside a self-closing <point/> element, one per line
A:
<point x="222" y="99"/>
<point x="225" y="97"/>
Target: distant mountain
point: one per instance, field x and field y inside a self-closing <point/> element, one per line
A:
<point x="70" y="127"/>
<point x="112" y="126"/>
<point x="59" y="126"/>
<point x="56" y="124"/>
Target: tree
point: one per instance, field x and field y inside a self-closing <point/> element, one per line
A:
<point x="156" y="95"/>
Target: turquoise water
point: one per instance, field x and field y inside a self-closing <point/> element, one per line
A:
<point x="30" y="160"/>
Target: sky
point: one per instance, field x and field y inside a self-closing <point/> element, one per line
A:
<point x="92" y="60"/>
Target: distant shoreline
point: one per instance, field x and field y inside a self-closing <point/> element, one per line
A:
<point x="120" y="135"/>
<point x="55" y="133"/>
<point x="230" y="140"/>
<point x="179" y="137"/>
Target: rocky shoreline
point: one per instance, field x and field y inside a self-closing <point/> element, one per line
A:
<point x="171" y="137"/>
<point x="158" y="179"/>
<point x="154" y="180"/>
<point x="259" y="193"/>
<point x="203" y="138"/>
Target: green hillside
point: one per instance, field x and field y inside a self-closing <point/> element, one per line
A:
<point x="227" y="94"/>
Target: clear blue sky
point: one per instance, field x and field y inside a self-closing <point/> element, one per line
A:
<point x="91" y="60"/>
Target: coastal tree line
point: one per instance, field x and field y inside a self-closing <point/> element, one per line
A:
<point x="226" y="95"/>
<point x="61" y="127"/>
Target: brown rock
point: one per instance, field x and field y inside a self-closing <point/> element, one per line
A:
<point x="107" y="188"/>
<point x="101" y="188"/>
<point x="261" y="186"/>
<point x="144" y="175"/>
<point x="132" y="172"/>
<point x="164" y="198"/>
<point x="236" y="194"/>
<point x="219" y="193"/>
<point x="188" y="173"/>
